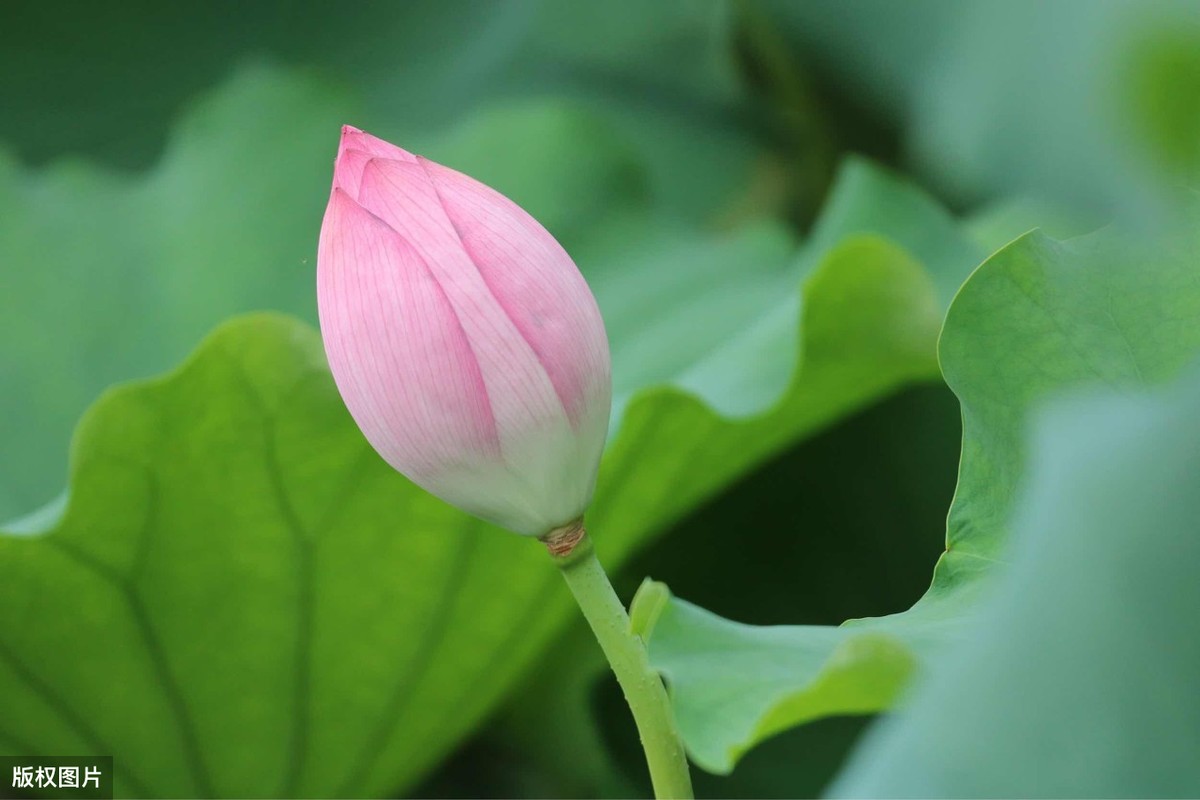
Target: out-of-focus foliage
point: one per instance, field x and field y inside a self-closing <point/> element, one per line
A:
<point x="1039" y="317"/>
<point x="121" y="275"/>
<point x="1089" y="102"/>
<point x="666" y="73"/>
<point x="1078" y="676"/>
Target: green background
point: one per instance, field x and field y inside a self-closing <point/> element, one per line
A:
<point x="807" y="226"/>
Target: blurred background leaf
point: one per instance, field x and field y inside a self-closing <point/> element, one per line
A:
<point x="1038" y="317"/>
<point x="121" y="275"/>
<point x="1078" y="677"/>
<point x="1091" y="104"/>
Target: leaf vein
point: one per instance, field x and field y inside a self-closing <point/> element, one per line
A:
<point x="157" y="656"/>
<point x="398" y="702"/>
<point x="68" y="715"/>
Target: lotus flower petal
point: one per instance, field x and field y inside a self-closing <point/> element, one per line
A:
<point x="466" y="344"/>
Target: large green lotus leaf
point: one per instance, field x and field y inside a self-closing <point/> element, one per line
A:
<point x="1078" y="678"/>
<point x="241" y="599"/>
<point x="1040" y="316"/>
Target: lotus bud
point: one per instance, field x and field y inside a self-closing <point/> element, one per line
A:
<point x="462" y="338"/>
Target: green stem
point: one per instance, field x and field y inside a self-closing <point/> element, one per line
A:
<point x="626" y="654"/>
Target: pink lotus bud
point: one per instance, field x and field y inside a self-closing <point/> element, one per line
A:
<point x="464" y="341"/>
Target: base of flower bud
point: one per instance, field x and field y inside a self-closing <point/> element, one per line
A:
<point x="561" y="542"/>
